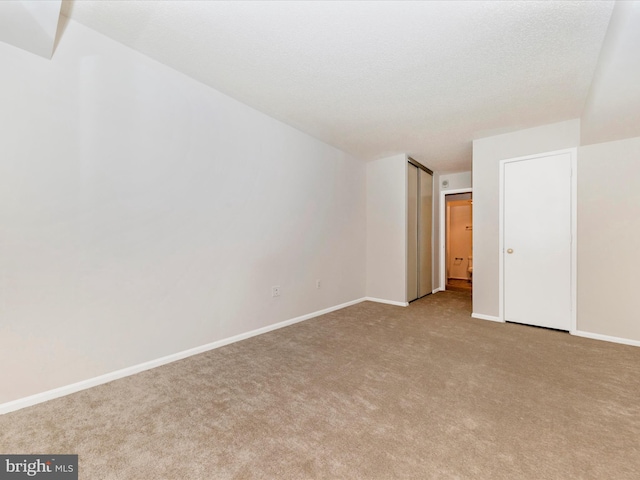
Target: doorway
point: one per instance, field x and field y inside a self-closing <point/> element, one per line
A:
<point x="459" y="242"/>
<point x="456" y="247"/>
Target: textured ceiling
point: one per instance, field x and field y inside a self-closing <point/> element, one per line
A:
<point x="612" y="111"/>
<point x="30" y="25"/>
<point x="377" y="78"/>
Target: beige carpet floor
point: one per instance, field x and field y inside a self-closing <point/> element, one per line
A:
<point x="369" y="392"/>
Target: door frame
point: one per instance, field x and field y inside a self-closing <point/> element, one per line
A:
<point x="443" y="228"/>
<point x="573" y="153"/>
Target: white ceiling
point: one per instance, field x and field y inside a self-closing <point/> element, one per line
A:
<point x="612" y="111"/>
<point x="377" y="78"/>
<point x="31" y="26"/>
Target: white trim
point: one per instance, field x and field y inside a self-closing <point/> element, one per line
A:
<point x="125" y="372"/>
<point x="405" y="245"/>
<point x="388" y="302"/>
<point x="443" y="228"/>
<point x="491" y="318"/>
<point x="573" y="153"/>
<point x="606" y="338"/>
<point x="501" y="243"/>
<point x="438" y="290"/>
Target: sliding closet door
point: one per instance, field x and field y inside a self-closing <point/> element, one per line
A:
<point x="425" y="281"/>
<point x="412" y="233"/>
<point x="419" y="225"/>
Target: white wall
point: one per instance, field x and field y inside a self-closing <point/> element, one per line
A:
<point x="455" y="180"/>
<point x="608" y="233"/>
<point x="487" y="153"/>
<point x="143" y="214"/>
<point x="387" y="229"/>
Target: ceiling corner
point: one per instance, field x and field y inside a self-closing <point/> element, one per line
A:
<point x="31" y="25"/>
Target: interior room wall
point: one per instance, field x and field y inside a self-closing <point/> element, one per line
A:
<point x="387" y="229"/>
<point x="144" y="214"/>
<point x="487" y="153"/>
<point x="608" y="228"/>
<point x="456" y="181"/>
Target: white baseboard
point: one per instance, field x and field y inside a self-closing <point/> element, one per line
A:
<point x="388" y="302"/>
<point x="486" y="317"/>
<point x="606" y="338"/>
<point x="439" y="289"/>
<point x="125" y="372"/>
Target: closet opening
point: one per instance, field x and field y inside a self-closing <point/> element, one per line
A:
<point x="419" y="231"/>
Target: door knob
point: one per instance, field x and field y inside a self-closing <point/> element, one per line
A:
<point x="509" y="250"/>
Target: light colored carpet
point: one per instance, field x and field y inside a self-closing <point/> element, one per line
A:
<point x="369" y="392"/>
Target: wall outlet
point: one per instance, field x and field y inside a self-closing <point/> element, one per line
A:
<point x="275" y="291"/>
<point x="318" y="284"/>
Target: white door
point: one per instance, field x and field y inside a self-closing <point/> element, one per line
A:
<point x="537" y="250"/>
